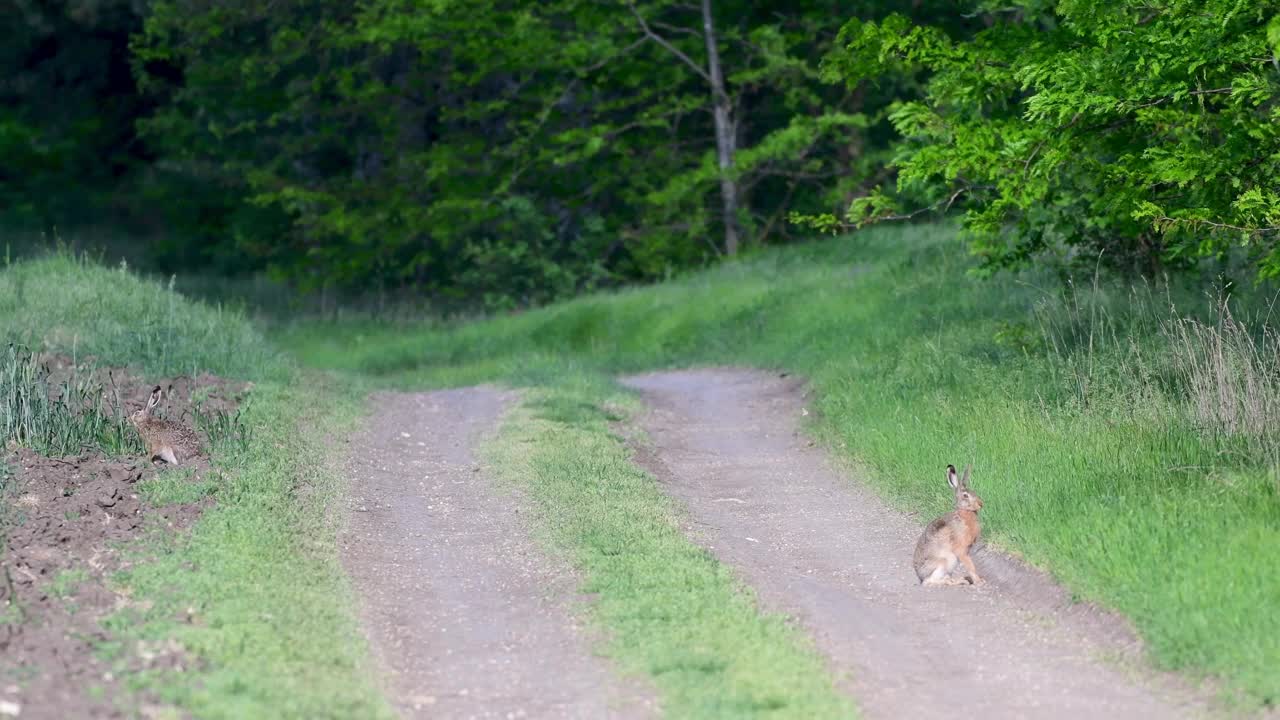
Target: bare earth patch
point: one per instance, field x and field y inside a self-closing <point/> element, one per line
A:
<point x="820" y="547"/>
<point x="64" y="525"/>
<point x="468" y="618"/>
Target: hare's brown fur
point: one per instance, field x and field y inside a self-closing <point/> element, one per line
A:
<point x="947" y="540"/>
<point x="170" y="441"/>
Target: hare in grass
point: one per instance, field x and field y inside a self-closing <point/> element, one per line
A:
<point x="167" y="440"/>
<point x="947" y="540"/>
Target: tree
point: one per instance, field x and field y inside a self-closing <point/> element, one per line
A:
<point x="67" y="108"/>
<point x="514" y="150"/>
<point x="725" y="131"/>
<point x="1142" y="134"/>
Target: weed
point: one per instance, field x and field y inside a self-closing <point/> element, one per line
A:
<point x="227" y="432"/>
<point x="58" y="417"/>
<point x="1232" y="378"/>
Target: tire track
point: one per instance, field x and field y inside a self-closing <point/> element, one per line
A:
<point x="467" y="617"/>
<point x="820" y="547"/>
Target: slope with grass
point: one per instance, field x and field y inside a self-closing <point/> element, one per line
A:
<point x="1122" y="444"/>
<point x="241" y="610"/>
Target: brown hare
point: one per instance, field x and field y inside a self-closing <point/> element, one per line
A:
<point x="948" y="539"/>
<point x="167" y="440"/>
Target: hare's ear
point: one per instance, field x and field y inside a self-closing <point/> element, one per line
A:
<point x="154" y="399"/>
<point x="964" y="480"/>
<point x="951" y="477"/>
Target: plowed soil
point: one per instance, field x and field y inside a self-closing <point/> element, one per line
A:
<point x="66" y="524"/>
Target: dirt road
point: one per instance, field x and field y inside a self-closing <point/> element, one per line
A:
<point x="467" y="617"/>
<point x="816" y="545"/>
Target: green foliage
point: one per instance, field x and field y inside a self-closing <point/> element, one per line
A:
<point x="1143" y="134"/>
<point x="496" y="152"/>
<point x="504" y="154"/>
<point x="67" y="109"/>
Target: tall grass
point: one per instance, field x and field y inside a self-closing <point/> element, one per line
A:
<point x="63" y="301"/>
<point x="1232" y="376"/>
<point x="59" y="418"/>
<point x="227" y="432"/>
<point x="1120" y="434"/>
<point x="1194" y="362"/>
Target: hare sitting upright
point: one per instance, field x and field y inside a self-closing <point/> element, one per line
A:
<point x="948" y="539"/>
<point x="169" y="441"/>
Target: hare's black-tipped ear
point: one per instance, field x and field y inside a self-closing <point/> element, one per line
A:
<point x="951" y="477"/>
<point x="154" y="399"/>
<point x="964" y="480"/>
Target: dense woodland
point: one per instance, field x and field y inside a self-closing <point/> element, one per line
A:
<point x="516" y="152"/>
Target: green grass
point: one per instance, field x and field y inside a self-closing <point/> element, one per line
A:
<point x="1078" y="411"/>
<point x="253" y="592"/>
<point x="75" y="306"/>
<point x="671" y="611"/>
<point x="75" y="420"/>
<point x="65" y="582"/>
<point x="176" y="486"/>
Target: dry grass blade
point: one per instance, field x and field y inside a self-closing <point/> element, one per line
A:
<point x="1231" y="375"/>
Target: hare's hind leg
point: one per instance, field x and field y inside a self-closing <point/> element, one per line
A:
<point x="166" y="454"/>
<point x="942" y="572"/>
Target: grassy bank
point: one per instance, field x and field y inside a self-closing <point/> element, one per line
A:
<point x="254" y="590"/>
<point x="1123" y="447"/>
<point x="670" y="610"/>
<point x="247" y="609"/>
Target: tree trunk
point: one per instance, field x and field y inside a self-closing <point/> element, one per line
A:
<point x="726" y="137"/>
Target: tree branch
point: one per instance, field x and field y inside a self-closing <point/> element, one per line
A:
<point x="1026" y="166"/>
<point x="605" y="61"/>
<point x="674" y="28"/>
<point x="1216" y="225"/>
<point x="649" y="33"/>
<point x="944" y="204"/>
